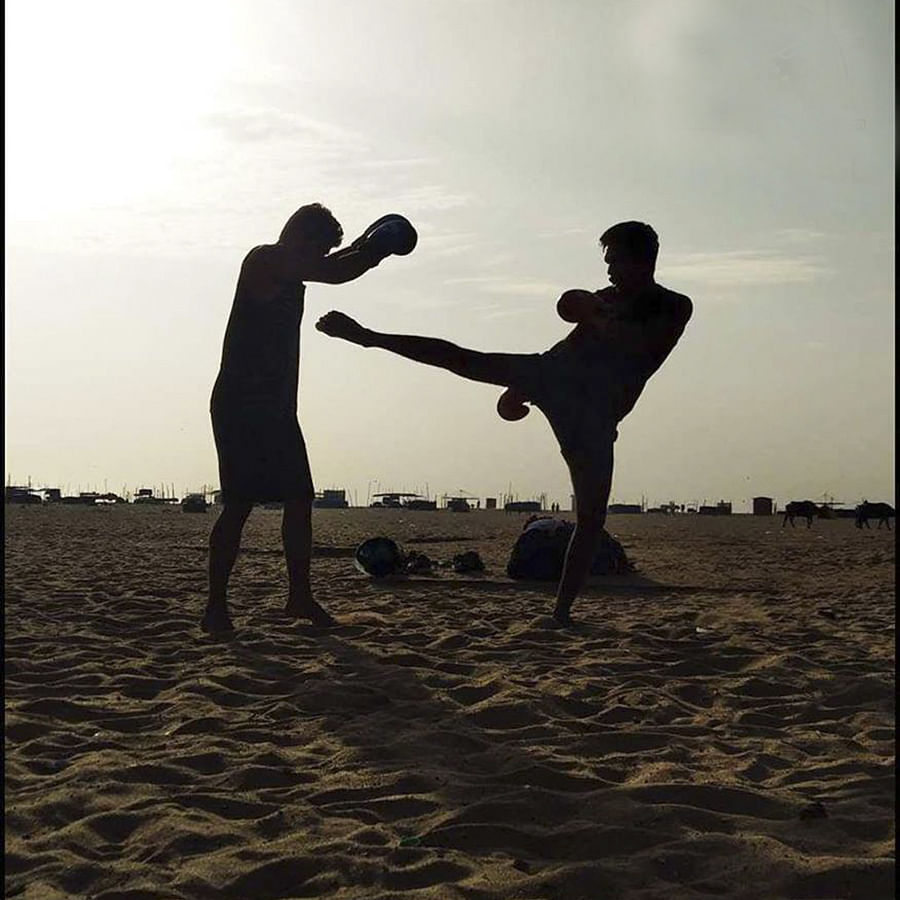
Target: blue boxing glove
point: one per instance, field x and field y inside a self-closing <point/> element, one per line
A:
<point x="390" y="235"/>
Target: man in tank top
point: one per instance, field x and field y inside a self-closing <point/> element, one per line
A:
<point x="261" y="451"/>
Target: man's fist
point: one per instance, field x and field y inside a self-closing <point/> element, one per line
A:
<point x="339" y="325"/>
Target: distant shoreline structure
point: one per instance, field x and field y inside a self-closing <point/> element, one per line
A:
<point x="336" y="498"/>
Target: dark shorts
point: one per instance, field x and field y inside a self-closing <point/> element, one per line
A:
<point x="262" y="454"/>
<point x="575" y="403"/>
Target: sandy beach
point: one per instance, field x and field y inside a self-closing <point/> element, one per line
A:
<point x="721" y="725"/>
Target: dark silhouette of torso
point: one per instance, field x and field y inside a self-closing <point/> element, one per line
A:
<point x="261" y="350"/>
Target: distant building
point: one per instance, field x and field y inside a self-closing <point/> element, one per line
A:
<point x="145" y="496"/>
<point x="420" y="503"/>
<point x="21" y="495"/>
<point x="401" y="500"/>
<point x="762" y="506"/>
<point x="108" y="499"/>
<point x="722" y="508"/>
<point x="331" y="499"/>
<point x="523" y="506"/>
<point x="194" y="503"/>
<point x="490" y="502"/>
<point x="82" y="499"/>
<point x="666" y="509"/>
<point x="618" y="509"/>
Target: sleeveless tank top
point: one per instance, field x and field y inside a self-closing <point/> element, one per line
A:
<point x="261" y="351"/>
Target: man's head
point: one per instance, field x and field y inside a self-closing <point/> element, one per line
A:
<point x="312" y="229"/>
<point x="630" y="254"/>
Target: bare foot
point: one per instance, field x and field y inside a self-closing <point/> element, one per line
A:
<point x="309" y="609"/>
<point x="216" y="619"/>
<point x="561" y="614"/>
<point x="337" y="324"/>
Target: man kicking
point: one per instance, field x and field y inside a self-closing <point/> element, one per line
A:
<point x="585" y="384"/>
<point x="262" y="455"/>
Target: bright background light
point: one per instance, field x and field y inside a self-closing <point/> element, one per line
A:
<point x="148" y="148"/>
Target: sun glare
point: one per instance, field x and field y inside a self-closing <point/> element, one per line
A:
<point x="103" y="99"/>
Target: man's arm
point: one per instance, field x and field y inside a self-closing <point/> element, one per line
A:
<point x="268" y="267"/>
<point x="337" y="268"/>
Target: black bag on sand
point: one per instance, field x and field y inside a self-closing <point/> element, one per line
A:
<point x="540" y="550"/>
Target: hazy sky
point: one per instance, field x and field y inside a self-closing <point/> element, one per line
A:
<point x="149" y="146"/>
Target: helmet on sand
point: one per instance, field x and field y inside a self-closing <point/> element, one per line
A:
<point x="379" y="557"/>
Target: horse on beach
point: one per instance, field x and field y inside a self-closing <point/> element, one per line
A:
<point x="881" y="511"/>
<point x="805" y="509"/>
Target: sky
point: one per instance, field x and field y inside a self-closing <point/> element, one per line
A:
<point x="150" y="146"/>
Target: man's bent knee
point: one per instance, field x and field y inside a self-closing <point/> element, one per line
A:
<point x="236" y="512"/>
<point x="238" y="508"/>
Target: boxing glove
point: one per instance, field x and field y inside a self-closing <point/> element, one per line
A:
<point x="511" y="405"/>
<point x="392" y="234"/>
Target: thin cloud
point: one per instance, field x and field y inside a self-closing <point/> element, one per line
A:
<point x="493" y="284"/>
<point x="563" y="232"/>
<point x="448" y="243"/>
<point x="389" y="164"/>
<point x="268" y="124"/>
<point x="432" y="197"/>
<point x="738" y="268"/>
<point x="800" y="235"/>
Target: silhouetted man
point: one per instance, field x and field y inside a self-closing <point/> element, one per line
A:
<point x="585" y="384"/>
<point x="262" y="455"/>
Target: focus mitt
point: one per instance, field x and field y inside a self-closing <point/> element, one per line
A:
<point x="390" y="235"/>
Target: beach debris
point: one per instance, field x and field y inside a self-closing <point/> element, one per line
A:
<point x="380" y="557"/>
<point x="540" y="550"/>
<point x="469" y="561"/>
<point x="194" y="503"/>
<point x="418" y="562"/>
<point x="383" y="558"/>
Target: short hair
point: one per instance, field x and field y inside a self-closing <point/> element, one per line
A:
<point x="636" y="238"/>
<point x="313" y="221"/>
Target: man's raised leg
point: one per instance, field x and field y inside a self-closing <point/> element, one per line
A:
<point x="490" y="368"/>
<point x="591" y="484"/>
<point x="296" y="534"/>
<point x="224" y="543"/>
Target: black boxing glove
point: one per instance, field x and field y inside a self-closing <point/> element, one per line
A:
<point x="392" y="234"/>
